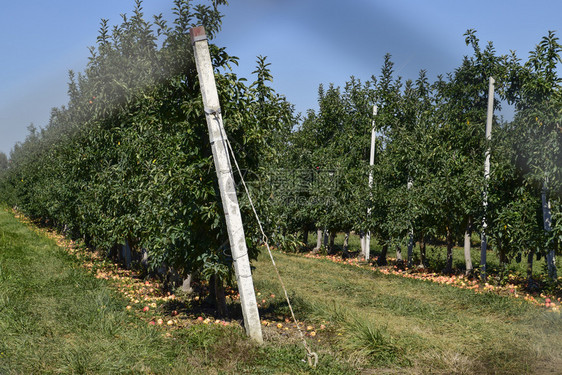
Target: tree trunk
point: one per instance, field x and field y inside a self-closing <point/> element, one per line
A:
<point x="305" y="237"/>
<point x="331" y="242"/>
<point x="381" y="261"/>
<point x="423" y="256"/>
<point x="218" y="295"/>
<point x="186" y="285"/>
<point x="399" y="254"/>
<point x="326" y="238"/>
<point x="212" y="298"/>
<point x="467" y="255"/>
<point x="346" y="246"/>
<point x="503" y="257"/>
<point x="221" y="299"/>
<point x="318" y="240"/>
<point x="126" y="254"/>
<point x="411" y="249"/>
<point x="449" y="264"/>
<point x="530" y="257"/>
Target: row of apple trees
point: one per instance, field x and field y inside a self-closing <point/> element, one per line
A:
<point x="428" y="180"/>
<point x="128" y="159"/>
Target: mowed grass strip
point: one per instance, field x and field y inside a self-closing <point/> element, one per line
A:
<point x="412" y="326"/>
<point x="56" y="318"/>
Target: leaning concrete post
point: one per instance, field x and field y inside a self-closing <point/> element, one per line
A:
<point x="217" y="137"/>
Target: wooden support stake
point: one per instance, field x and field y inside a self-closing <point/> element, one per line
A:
<point x="217" y="137"/>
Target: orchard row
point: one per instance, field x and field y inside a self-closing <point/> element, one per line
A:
<point x="128" y="160"/>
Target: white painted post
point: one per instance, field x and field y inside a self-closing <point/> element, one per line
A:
<point x="318" y="240"/>
<point x="547" y="221"/>
<point x="490" y="117"/>
<point x="362" y="241"/>
<point x="410" y="234"/>
<point x="371" y="163"/>
<point x="467" y="254"/>
<point x="225" y="177"/>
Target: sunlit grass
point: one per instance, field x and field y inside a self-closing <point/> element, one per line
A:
<point x="416" y="326"/>
<point x="57" y="317"/>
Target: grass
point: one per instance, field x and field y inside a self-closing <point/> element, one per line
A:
<point x="56" y="317"/>
<point x="402" y="325"/>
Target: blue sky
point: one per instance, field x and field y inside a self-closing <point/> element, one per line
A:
<point x="308" y="42"/>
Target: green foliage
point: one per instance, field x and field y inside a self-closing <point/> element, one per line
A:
<point x="57" y="318"/>
<point x="428" y="172"/>
<point x="529" y="157"/>
<point x="128" y="158"/>
<point x="3" y="162"/>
